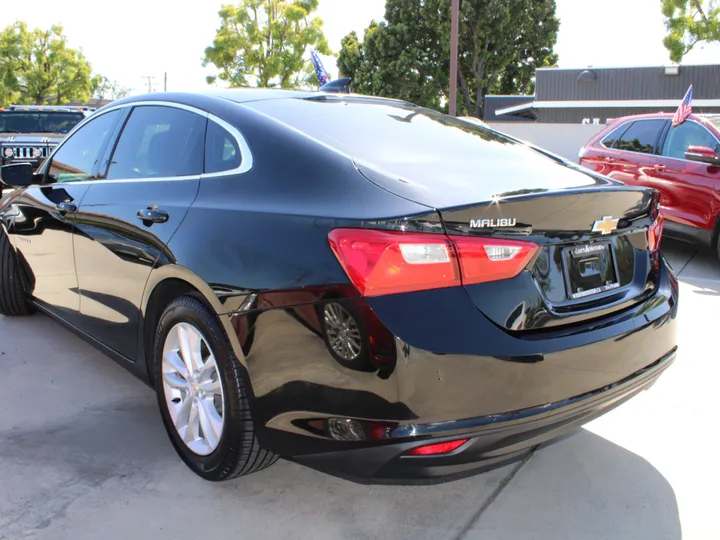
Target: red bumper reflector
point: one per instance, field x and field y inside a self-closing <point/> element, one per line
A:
<point x="437" y="449"/>
<point x="655" y="233"/>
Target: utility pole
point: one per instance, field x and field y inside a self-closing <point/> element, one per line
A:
<point x="165" y="83"/>
<point x="455" y="19"/>
<point x="150" y="79"/>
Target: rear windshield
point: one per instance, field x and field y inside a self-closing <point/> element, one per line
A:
<point x="397" y="136"/>
<point x="380" y="130"/>
<point x="438" y="158"/>
<point x="38" y="122"/>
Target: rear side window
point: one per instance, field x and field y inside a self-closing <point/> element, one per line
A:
<point x="610" y="140"/>
<point x="685" y="135"/>
<point x="159" y="142"/>
<point x="641" y="136"/>
<point x="221" y="150"/>
<point x="77" y="159"/>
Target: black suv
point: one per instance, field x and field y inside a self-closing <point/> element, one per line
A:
<point x="29" y="133"/>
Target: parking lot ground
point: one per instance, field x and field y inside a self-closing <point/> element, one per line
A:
<point x="83" y="455"/>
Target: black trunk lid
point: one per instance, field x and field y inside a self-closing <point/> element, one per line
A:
<point x="593" y="256"/>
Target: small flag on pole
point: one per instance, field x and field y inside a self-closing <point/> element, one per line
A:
<point x="319" y="68"/>
<point x="684" y="110"/>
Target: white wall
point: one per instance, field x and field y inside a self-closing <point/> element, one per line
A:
<point x="562" y="139"/>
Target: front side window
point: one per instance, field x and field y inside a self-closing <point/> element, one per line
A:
<point x="221" y="150"/>
<point x="641" y="136"/>
<point x="685" y="135"/>
<point x="159" y="142"/>
<point x="77" y="159"/>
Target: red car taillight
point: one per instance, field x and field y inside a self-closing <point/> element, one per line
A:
<point x="488" y="259"/>
<point x="385" y="262"/>
<point x="655" y="233"/>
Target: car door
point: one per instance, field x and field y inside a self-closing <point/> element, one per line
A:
<point x="130" y="214"/>
<point x="630" y="155"/>
<point x="43" y="229"/>
<point x="689" y="189"/>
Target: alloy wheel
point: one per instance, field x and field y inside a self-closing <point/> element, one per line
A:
<point x="193" y="390"/>
<point x="342" y="330"/>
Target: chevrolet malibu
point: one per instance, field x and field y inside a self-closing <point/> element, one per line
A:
<point x="360" y="285"/>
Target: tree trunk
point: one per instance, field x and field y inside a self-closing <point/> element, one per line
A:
<point x="465" y="92"/>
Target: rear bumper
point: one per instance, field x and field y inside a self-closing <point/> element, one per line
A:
<point x="506" y="393"/>
<point x="493" y="441"/>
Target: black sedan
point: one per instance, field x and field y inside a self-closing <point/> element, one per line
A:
<point x="358" y="284"/>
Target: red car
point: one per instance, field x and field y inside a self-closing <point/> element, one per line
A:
<point x="682" y="162"/>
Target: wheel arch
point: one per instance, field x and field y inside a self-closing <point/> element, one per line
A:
<point x="163" y="286"/>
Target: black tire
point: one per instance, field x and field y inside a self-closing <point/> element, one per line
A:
<point x="13" y="301"/>
<point x="238" y="452"/>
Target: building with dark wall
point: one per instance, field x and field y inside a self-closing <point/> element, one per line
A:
<point x="596" y="95"/>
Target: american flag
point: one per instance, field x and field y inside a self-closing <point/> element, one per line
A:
<point x="319" y="69"/>
<point x="684" y="110"/>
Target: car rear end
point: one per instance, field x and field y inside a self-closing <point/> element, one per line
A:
<point x="527" y="298"/>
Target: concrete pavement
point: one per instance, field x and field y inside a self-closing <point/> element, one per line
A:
<point x="83" y="455"/>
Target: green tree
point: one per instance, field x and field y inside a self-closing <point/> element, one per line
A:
<point x="264" y="42"/>
<point x="688" y="23"/>
<point x="104" y="88"/>
<point x="407" y="55"/>
<point x="37" y="67"/>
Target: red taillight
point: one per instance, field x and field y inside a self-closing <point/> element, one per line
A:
<point x="439" y="448"/>
<point x="655" y="233"/>
<point x="488" y="259"/>
<point x="384" y="262"/>
<point x="380" y="262"/>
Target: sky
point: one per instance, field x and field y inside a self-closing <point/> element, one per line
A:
<point x="130" y="40"/>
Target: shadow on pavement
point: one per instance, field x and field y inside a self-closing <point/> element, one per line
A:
<point x="110" y="472"/>
<point x="583" y="487"/>
<point x="692" y="259"/>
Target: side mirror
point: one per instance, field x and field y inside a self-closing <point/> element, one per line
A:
<point x="18" y="175"/>
<point x="703" y="154"/>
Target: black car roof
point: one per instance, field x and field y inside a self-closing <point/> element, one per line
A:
<point x="248" y="95"/>
<point x="244" y="95"/>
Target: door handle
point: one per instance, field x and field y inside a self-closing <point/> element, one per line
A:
<point x="66" y="207"/>
<point x="152" y="215"/>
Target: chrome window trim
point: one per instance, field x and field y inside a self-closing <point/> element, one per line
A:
<point x="246" y="157"/>
<point x="131" y="180"/>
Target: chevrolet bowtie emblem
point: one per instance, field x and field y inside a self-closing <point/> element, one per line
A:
<point x="606" y="225"/>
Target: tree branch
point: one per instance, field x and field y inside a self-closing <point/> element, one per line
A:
<point x="698" y="6"/>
